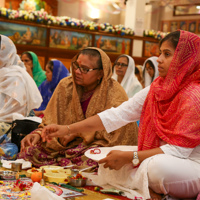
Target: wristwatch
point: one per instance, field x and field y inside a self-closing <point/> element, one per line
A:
<point x="135" y="160"/>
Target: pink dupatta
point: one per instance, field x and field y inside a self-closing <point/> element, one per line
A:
<point x="171" y="111"/>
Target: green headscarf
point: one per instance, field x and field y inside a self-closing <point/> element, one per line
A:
<point x="38" y="74"/>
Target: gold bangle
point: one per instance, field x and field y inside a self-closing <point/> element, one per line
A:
<point x="68" y="131"/>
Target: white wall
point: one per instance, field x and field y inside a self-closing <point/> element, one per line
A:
<point x="148" y="16"/>
<point x="68" y="9"/>
<point x="2" y="3"/>
<point x="80" y="10"/>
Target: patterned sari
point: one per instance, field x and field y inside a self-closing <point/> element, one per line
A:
<point x="65" y="108"/>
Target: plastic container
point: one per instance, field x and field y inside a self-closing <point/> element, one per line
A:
<point x="8" y="151"/>
<point x="51" y="168"/>
<point x="56" y="177"/>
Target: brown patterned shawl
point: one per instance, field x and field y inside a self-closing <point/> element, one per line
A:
<point x="65" y="108"/>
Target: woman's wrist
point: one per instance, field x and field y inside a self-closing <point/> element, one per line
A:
<point x="37" y="132"/>
<point x="128" y="155"/>
<point x="70" y="131"/>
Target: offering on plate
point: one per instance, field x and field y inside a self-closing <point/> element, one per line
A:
<point x="34" y="169"/>
<point x="78" y="176"/>
<point x="95" y="151"/>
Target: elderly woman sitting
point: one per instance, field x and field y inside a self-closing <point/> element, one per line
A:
<point x="87" y="92"/>
<point x="124" y="73"/>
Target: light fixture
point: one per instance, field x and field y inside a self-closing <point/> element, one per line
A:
<point x="94" y="12"/>
<point x="116" y="6"/>
<point x="197" y="7"/>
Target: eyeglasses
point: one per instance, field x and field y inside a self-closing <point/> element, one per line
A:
<point x="120" y="64"/>
<point x="82" y="69"/>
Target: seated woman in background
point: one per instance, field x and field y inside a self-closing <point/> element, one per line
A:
<point x="124" y="73"/>
<point x="55" y="71"/>
<point x="167" y="159"/>
<point x="87" y="92"/>
<point x="150" y="70"/>
<point x="33" y="67"/>
<point x="18" y="92"/>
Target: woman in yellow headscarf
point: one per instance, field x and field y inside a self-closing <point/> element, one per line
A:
<point x="87" y="92"/>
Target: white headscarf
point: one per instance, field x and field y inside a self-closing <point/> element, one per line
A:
<point x="147" y="78"/>
<point x="130" y="82"/>
<point x="18" y="91"/>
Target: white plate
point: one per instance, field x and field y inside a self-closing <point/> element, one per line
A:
<point x="106" y="150"/>
<point x="25" y="164"/>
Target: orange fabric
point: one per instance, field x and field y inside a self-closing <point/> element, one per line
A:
<point x="172" y="108"/>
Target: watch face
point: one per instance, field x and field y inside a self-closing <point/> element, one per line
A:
<point x="135" y="161"/>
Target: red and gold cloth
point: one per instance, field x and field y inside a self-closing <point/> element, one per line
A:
<point x="171" y="111"/>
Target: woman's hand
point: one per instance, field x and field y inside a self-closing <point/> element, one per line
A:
<point x="29" y="140"/>
<point x="29" y="69"/>
<point x="59" y="131"/>
<point x="116" y="159"/>
<point x="66" y="139"/>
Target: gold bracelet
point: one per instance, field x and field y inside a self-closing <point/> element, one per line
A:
<point x="68" y="131"/>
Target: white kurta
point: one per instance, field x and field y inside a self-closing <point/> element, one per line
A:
<point x="176" y="172"/>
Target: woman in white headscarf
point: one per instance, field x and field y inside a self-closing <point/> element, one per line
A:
<point x="18" y="91"/>
<point x="124" y="73"/>
<point x="150" y="70"/>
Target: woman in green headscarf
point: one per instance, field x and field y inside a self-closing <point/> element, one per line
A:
<point x="33" y="67"/>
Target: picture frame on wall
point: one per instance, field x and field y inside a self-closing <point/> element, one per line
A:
<point x="165" y="26"/>
<point x="113" y="44"/>
<point x="192" y="26"/>
<point x="173" y="26"/>
<point x="24" y="34"/>
<point x="151" y="49"/>
<point x="183" y="25"/>
<point x="69" y="39"/>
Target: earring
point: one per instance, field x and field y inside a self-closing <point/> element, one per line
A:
<point x="99" y="81"/>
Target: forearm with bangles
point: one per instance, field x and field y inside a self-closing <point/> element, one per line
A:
<point x="90" y="124"/>
<point x="37" y="131"/>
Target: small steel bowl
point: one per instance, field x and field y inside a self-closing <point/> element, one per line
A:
<point x="7" y="175"/>
<point x="77" y="182"/>
<point x="16" y="167"/>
